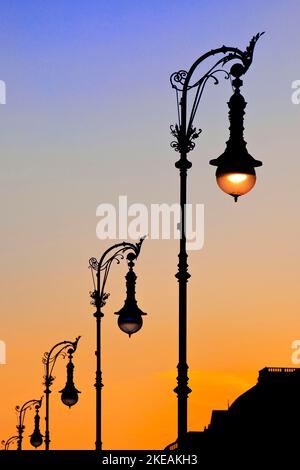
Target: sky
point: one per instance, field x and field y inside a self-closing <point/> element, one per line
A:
<point x="86" y="119"/>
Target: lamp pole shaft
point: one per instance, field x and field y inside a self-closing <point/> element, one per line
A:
<point x="98" y="383"/>
<point x="182" y="389"/>
<point x="182" y="275"/>
<point x="47" y="405"/>
<point x="20" y="436"/>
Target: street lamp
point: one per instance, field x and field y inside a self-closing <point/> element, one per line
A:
<point x="69" y="395"/>
<point x="36" y="438"/>
<point x="236" y="167"/>
<point x="6" y="444"/>
<point x="21" y="410"/>
<point x="235" y="173"/>
<point x="130" y="319"/>
<point x="130" y="316"/>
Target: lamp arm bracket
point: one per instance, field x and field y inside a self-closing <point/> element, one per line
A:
<point x="114" y="253"/>
<point x="49" y="358"/>
<point x="184" y="131"/>
<point x="21" y="411"/>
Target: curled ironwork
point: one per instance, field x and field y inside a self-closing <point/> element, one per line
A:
<point x="114" y="253"/>
<point x="184" y="132"/>
<point x="93" y="264"/>
<point x="177" y="79"/>
<point x="49" y="358"/>
<point x="6" y="444"/>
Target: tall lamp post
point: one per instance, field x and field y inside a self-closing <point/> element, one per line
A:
<point x="36" y="438"/>
<point x="235" y="172"/>
<point x="69" y="394"/>
<point x="130" y="316"/>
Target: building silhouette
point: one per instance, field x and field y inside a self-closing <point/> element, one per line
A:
<point x="262" y="424"/>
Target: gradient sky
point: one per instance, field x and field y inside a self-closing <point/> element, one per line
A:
<point x="87" y="119"/>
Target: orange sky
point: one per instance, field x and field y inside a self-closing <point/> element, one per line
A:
<point x="236" y="327"/>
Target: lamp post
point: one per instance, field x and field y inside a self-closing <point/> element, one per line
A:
<point x="130" y="316"/>
<point x="235" y="172"/>
<point x="11" y="440"/>
<point x="21" y="410"/>
<point x="69" y="395"/>
<point x="36" y="438"/>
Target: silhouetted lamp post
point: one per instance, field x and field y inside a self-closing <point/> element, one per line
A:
<point x="36" y="438"/>
<point x="11" y="440"/>
<point x="69" y="394"/>
<point x="130" y="316"/>
<point x="21" y="410"/>
<point x="235" y="171"/>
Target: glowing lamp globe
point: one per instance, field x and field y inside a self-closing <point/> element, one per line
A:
<point x="130" y="324"/>
<point x="236" y="180"/>
<point x="235" y="167"/>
